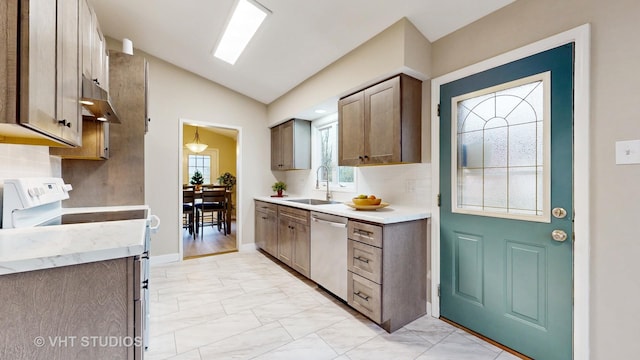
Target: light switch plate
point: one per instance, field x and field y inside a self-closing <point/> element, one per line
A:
<point x="628" y="152"/>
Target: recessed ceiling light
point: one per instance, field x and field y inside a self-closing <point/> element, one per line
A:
<point x="320" y="111"/>
<point x="245" y="21"/>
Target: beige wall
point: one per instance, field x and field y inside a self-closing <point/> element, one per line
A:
<point x="615" y="246"/>
<point x="176" y="94"/>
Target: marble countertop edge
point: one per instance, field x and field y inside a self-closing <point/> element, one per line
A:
<point x="394" y="213"/>
<point x="36" y="248"/>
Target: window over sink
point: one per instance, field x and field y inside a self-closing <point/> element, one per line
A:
<point x="325" y="152"/>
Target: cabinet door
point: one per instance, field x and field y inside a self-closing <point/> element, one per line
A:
<point x="86" y="29"/>
<point x="261" y="223"/>
<point x="98" y="53"/>
<point x="351" y="123"/>
<point x="89" y="299"/>
<point x="38" y="67"/>
<point x="382" y="125"/>
<point x="271" y="234"/>
<point x="286" y="234"/>
<point x="287" y="145"/>
<point x="300" y="260"/>
<point x="266" y="231"/>
<point x="68" y="106"/>
<point x="276" y="149"/>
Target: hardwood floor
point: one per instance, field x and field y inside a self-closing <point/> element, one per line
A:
<point x="211" y="242"/>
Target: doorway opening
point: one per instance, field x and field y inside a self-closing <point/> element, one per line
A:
<point x="209" y="225"/>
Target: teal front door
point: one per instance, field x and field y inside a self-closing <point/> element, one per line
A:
<point x="506" y="203"/>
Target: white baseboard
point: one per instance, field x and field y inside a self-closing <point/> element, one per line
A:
<point x="163" y="259"/>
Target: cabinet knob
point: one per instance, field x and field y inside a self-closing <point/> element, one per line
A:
<point x="96" y="81"/>
<point x="64" y="122"/>
<point x="360" y="157"/>
<point x="366" y="157"/>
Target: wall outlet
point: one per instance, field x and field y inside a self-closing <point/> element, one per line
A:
<point x="628" y="152"/>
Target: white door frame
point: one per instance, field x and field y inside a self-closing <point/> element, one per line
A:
<point x="239" y="191"/>
<point x="581" y="36"/>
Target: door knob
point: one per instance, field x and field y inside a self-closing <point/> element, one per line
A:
<point x="559" y="235"/>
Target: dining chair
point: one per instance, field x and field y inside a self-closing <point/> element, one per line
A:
<point x="213" y="208"/>
<point x="188" y="210"/>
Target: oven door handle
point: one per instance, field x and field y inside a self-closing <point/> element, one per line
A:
<point x="156" y="219"/>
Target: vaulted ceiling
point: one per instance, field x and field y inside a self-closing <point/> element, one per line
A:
<point x="298" y="39"/>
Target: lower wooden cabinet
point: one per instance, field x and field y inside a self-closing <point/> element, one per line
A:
<point x="386" y="264"/>
<point x="364" y="295"/>
<point x="83" y="311"/>
<point x="266" y="227"/>
<point x="284" y="233"/>
<point x="387" y="271"/>
<point x="294" y="238"/>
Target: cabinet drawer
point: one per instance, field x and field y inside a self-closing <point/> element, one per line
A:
<point x="364" y="296"/>
<point x="266" y="207"/>
<point x="292" y="214"/>
<point x="366" y="233"/>
<point x="365" y="260"/>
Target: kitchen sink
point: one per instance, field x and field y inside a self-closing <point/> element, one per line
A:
<point x="314" y="201"/>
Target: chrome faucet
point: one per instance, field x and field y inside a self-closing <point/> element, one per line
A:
<point x="326" y="169"/>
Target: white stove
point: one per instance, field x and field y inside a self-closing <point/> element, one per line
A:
<point x="37" y="201"/>
<point x="30" y="201"/>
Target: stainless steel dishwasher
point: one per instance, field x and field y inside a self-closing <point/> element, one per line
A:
<point x="329" y="252"/>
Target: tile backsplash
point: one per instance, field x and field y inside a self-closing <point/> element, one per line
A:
<point x="406" y="184"/>
<point x="27" y="161"/>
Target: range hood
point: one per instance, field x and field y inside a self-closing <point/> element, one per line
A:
<point x="97" y="101"/>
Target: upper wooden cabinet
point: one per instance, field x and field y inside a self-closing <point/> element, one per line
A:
<point x="95" y="142"/>
<point x="95" y="57"/>
<point x="381" y="124"/>
<point x="291" y="145"/>
<point x="40" y="83"/>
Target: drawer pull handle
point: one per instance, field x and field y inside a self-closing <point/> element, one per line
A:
<point x="363" y="297"/>
<point x="363" y="232"/>
<point x="359" y="258"/>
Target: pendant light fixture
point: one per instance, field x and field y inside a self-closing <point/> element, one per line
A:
<point x="196" y="146"/>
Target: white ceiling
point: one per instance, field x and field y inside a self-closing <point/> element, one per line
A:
<point x="300" y="38"/>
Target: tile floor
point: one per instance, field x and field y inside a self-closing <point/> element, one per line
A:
<point x="243" y="305"/>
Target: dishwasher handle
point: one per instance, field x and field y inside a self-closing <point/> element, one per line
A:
<point x="331" y="223"/>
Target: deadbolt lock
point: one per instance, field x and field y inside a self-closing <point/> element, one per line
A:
<point x="559" y="213"/>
